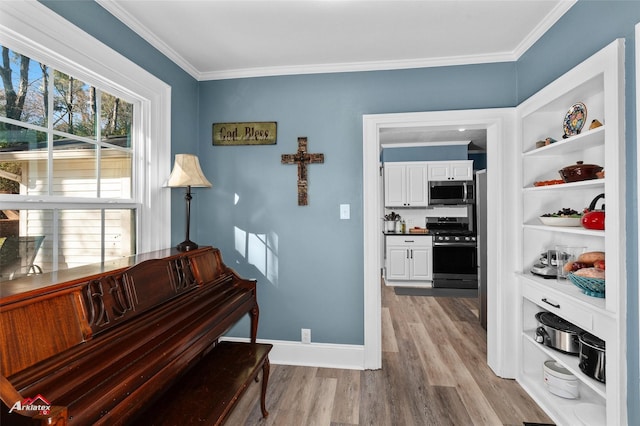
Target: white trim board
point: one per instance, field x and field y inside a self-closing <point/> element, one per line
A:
<point x="322" y="355"/>
<point x="637" y="42"/>
<point x="500" y="125"/>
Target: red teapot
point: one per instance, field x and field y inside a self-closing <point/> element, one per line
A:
<point x="592" y="218"/>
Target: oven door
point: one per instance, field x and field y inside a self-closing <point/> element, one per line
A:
<point x="455" y="265"/>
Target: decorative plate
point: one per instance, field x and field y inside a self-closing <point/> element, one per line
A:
<point x="574" y="120"/>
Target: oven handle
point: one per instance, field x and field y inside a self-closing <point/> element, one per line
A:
<point x="454" y="244"/>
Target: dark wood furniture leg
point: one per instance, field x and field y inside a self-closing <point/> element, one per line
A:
<point x="265" y="378"/>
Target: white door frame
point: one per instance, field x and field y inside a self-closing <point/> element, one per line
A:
<point x="637" y="40"/>
<point x="502" y="184"/>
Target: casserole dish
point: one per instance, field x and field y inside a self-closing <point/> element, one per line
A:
<point x="579" y="171"/>
<point x="558" y="333"/>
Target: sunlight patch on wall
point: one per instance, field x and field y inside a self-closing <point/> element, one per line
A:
<point x="240" y="238"/>
<point x="259" y="250"/>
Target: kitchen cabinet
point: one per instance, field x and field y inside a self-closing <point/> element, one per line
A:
<point x="405" y="184"/>
<point x="451" y="170"/>
<point x="409" y="260"/>
<point x="598" y="82"/>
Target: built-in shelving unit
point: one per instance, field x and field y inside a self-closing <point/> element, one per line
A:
<point x="598" y="83"/>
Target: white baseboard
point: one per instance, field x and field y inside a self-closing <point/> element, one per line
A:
<point x="325" y="355"/>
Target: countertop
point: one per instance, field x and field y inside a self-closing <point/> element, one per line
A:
<point x="407" y="233"/>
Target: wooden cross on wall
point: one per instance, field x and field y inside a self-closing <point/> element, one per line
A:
<point x="302" y="158"/>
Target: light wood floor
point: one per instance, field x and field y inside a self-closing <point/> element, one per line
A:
<point x="433" y="373"/>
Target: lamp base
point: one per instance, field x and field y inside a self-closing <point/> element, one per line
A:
<point x="187" y="245"/>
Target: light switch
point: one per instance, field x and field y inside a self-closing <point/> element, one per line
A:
<point x="345" y="211"/>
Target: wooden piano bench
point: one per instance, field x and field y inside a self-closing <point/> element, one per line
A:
<point x="208" y="392"/>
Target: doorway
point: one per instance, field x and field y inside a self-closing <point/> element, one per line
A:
<point x="499" y="126"/>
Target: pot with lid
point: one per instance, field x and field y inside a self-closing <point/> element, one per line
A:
<point x="580" y="171"/>
<point x="592" y="356"/>
<point x="558" y="333"/>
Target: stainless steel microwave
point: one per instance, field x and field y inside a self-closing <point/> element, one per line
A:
<point x="451" y="192"/>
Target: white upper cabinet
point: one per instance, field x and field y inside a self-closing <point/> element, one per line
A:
<point x="395" y="185"/>
<point x="598" y="85"/>
<point x="417" y="195"/>
<point x="405" y="184"/>
<point x="451" y="170"/>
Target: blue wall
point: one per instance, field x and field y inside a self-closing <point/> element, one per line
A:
<point x="425" y="153"/>
<point x="308" y="262"/>
<point x="316" y="280"/>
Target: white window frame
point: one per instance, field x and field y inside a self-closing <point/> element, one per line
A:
<point x="33" y="29"/>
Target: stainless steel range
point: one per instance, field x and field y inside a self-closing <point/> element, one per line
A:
<point x="455" y="257"/>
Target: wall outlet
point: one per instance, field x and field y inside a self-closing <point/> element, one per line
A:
<point x="305" y="335"/>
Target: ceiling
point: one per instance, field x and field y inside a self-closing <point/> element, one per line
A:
<point x="221" y="39"/>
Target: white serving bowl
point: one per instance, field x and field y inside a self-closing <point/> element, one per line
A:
<point x="560" y="221"/>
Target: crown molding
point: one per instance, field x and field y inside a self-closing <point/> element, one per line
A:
<point x="544" y="26"/>
<point x="136" y="26"/>
<point x="357" y="66"/>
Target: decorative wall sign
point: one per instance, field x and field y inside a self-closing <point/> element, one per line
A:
<point x="302" y="158"/>
<point x="258" y="133"/>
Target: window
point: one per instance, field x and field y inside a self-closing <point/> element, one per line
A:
<point x="84" y="148"/>
<point x="61" y="137"/>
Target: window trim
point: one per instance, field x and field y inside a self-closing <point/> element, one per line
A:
<point x="33" y="29"/>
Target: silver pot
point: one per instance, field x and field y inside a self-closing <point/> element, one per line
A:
<point x="592" y="356"/>
<point x="557" y="333"/>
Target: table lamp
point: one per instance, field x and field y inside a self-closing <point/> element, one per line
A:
<point x="185" y="174"/>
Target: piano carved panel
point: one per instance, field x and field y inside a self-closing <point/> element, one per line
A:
<point x="115" y="298"/>
<point x="182" y="275"/>
<point x="108" y="299"/>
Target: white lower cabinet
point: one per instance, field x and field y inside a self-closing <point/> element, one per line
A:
<point x="409" y="260"/>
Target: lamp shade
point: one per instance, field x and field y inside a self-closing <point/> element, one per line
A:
<point x="187" y="172"/>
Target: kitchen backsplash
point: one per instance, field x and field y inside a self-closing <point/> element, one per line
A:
<point x="416" y="217"/>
